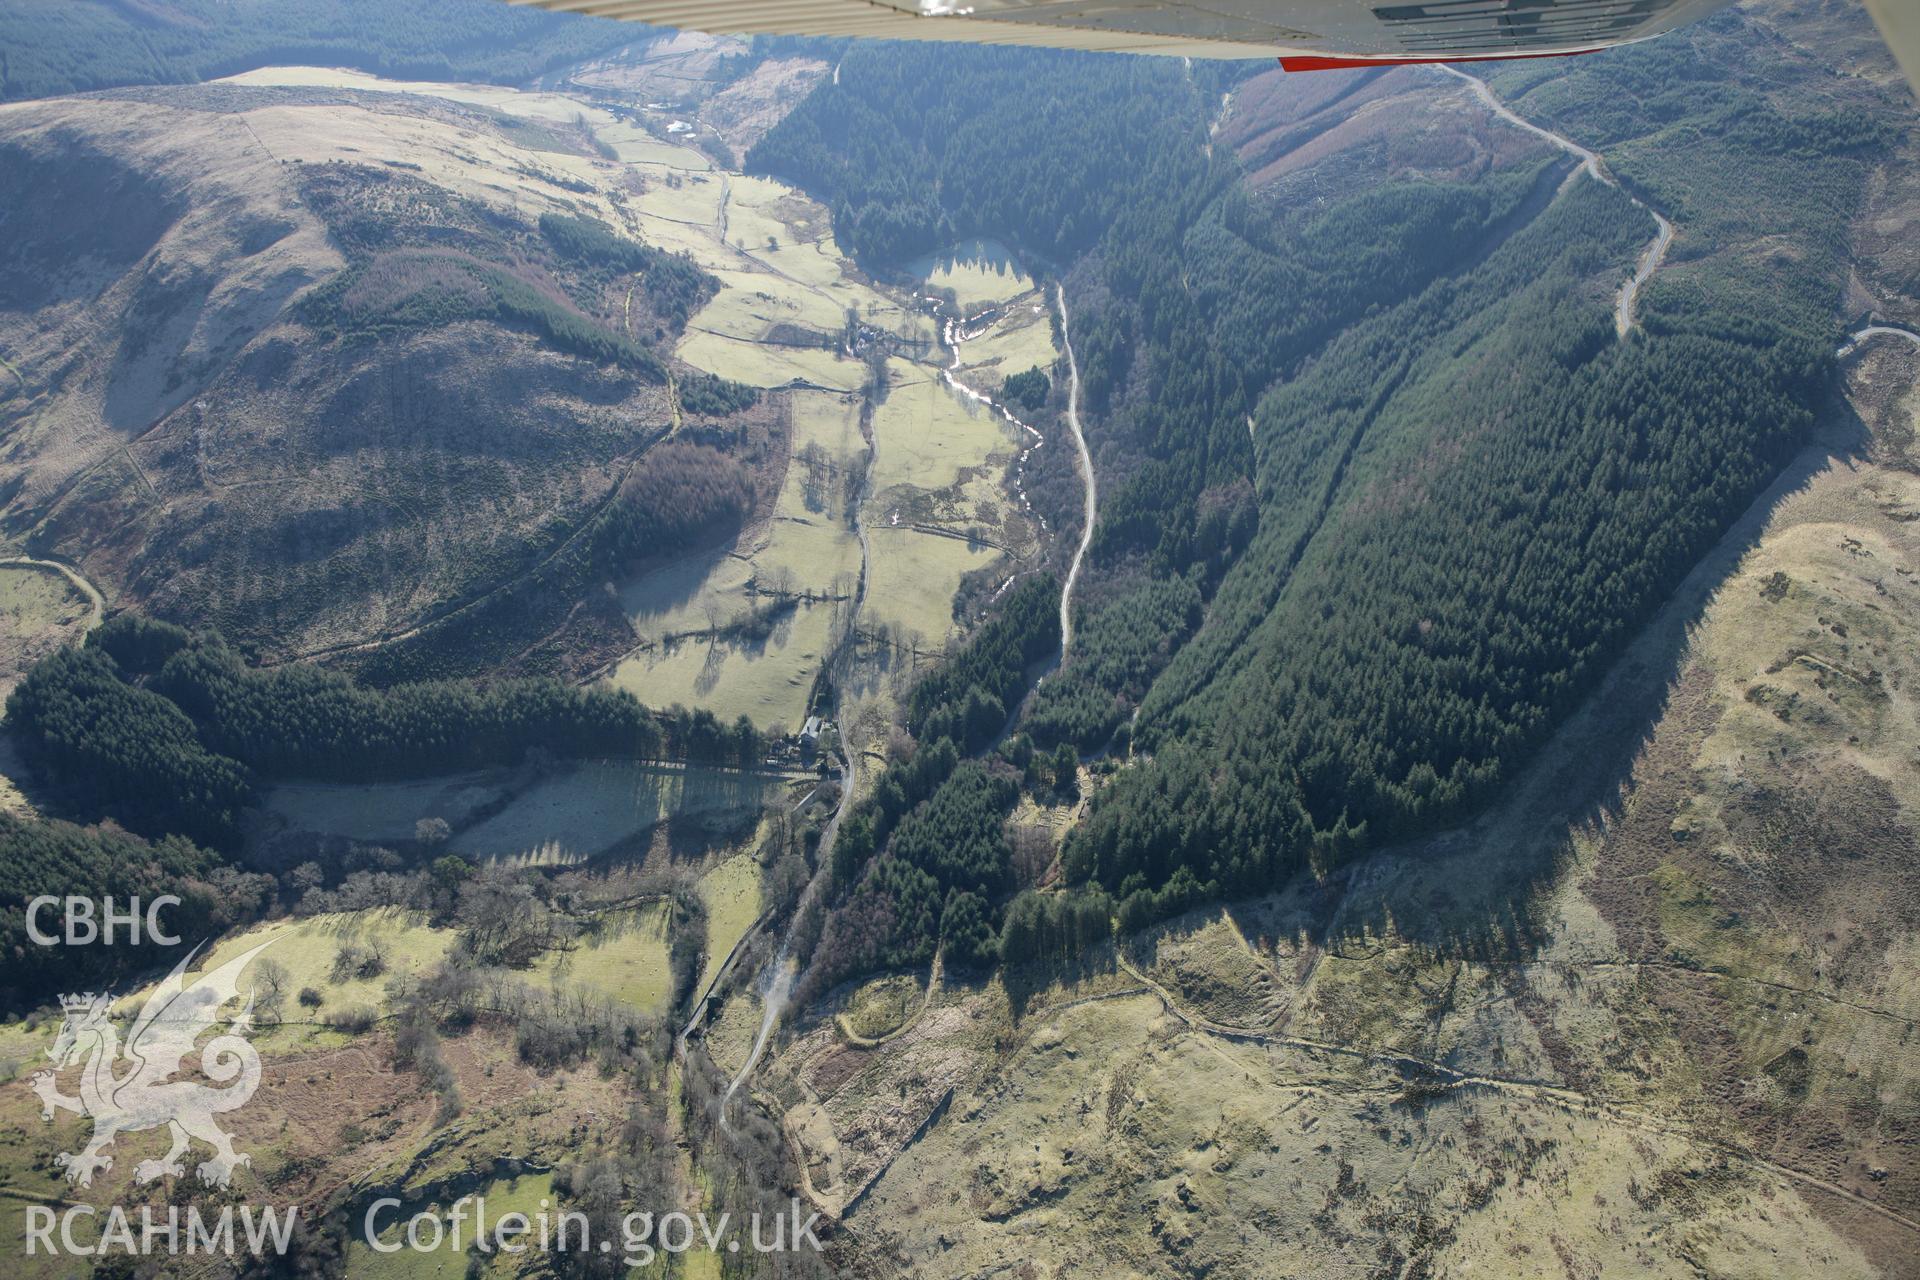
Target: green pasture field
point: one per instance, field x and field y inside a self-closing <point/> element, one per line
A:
<point x="697" y="242"/>
<point x="731" y="891"/>
<point x="751" y="303"/>
<point x="1018" y="341"/>
<point x="692" y="198"/>
<point x="636" y="145"/>
<point x="805" y="546"/>
<point x="748" y="361"/>
<point x="830" y="421"/>
<point x="915" y="576"/>
<point x="768" y="682"/>
<point x="304" y="950"/>
<point x="674" y="598"/>
<point x="924" y="436"/>
<point x="528" y="1194"/>
<point x="623" y="957"/>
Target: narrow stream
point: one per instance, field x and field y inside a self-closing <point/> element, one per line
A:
<point x="777" y="981"/>
<point x="954" y="334"/>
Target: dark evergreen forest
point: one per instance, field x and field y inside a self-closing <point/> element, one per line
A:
<point x="168" y="733"/>
<point x="59" y="859"/>
<point x="1391" y="444"/>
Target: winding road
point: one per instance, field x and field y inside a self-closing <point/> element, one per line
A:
<point x="777" y="981"/>
<point x="1086" y="476"/>
<point x="95" y="601"/>
<point x="1627" y="303"/>
<point x="957" y="333"/>
<point x="779" y="978"/>
<point x="1859" y="336"/>
<point x="1574" y="1101"/>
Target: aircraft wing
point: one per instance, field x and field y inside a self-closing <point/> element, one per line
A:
<point x="1303" y="34"/>
<point x="1899" y="23"/>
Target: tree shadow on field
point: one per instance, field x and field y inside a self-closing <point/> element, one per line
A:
<point x="1025" y="982"/>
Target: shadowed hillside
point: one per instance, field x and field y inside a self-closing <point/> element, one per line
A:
<point x="311" y="367"/>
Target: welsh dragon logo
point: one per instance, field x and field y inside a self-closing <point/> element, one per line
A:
<point x="131" y="1088"/>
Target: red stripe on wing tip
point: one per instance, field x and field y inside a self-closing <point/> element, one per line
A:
<point x="1316" y="62"/>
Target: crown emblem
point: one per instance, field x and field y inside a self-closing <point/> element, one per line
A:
<point x="132" y="1086"/>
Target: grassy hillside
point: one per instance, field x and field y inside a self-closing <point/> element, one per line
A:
<point x="324" y="378"/>
<point x="57" y="48"/>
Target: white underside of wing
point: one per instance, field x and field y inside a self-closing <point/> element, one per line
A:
<point x="1383" y="29"/>
<point x="1899" y="23"/>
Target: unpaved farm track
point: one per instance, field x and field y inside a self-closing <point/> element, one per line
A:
<point x="1556" y="1095"/>
<point x="1627" y="302"/>
<point x="95" y="601"/>
<point x="1859" y="336"/>
<point x="1086" y="477"/>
